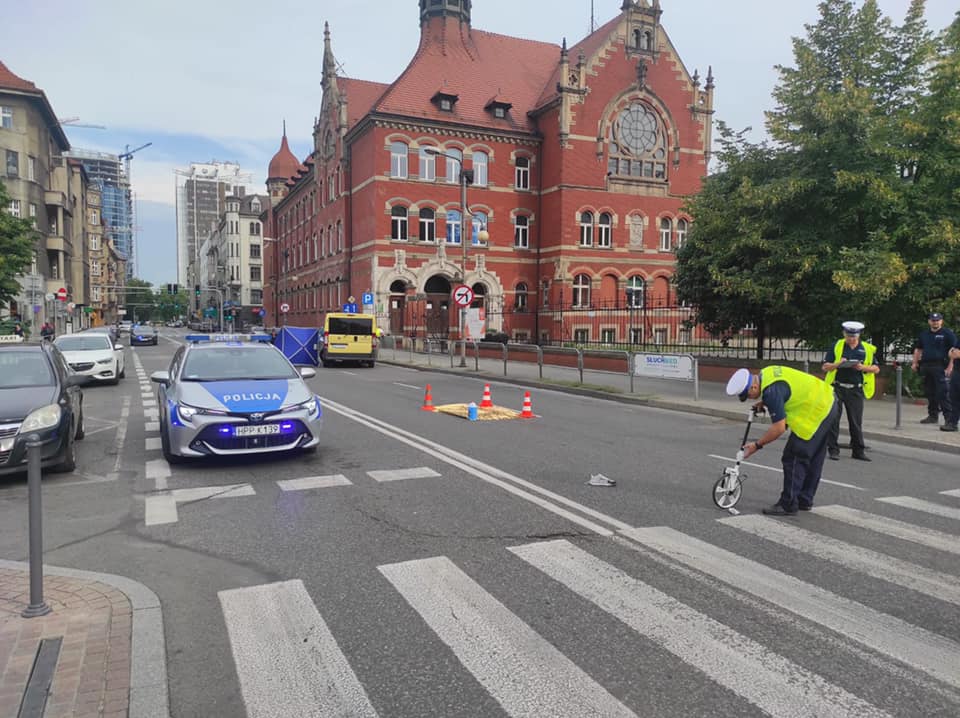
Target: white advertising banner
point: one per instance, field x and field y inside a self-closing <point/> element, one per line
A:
<point x="476" y="318"/>
<point x="664" y="366"/>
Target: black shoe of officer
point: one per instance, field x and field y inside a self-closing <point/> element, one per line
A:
<point x="804" y="507"/>
<point x="834" y="456"/>
<point x="930" y="420"/>
<point x="862" y="457"/>
<point x="778" y="510"/>
<point x="949" y="426"/>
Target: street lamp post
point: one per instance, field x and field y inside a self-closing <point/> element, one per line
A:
<point x="466" y="177"/>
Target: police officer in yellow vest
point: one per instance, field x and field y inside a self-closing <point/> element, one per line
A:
<point x="851" y="369"/>
<point x="808" y="407"/>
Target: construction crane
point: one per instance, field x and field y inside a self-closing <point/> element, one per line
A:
<point x="75" y="122"/>
<point x="127" y="155"/>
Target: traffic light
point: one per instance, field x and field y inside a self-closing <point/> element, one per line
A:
<point x="196" y="289"/>
<point x="173" y="289"/>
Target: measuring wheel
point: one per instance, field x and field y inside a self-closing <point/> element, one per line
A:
<point x="727" y="489"/>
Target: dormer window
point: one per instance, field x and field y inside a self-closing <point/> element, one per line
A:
<point x="444" y="100"/>
<point x="499" y="112"/>
<point x="498" y="107"/>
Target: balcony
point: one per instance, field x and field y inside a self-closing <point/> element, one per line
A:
<point x="52" y="198"/>
<point x="55" y="243"/>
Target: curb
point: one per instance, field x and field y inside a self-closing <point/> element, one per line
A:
<point x="149" y="697"/>
<point x="670" y="405"/>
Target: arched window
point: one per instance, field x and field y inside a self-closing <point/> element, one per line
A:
<point x="521" y="179"/>
<point x="581" y="291"/>
<point x="635" y="292"/>
<point x="480" y="161"/>
<point x="398" y="223"/>
<point x="520" y="297"/>
<point x="666" y="230"/>
<point x="604" y="229"/>
<point x="453" y="226"/>
<point x="479" y="220"/>
<point x="638" y="144"/>
<point x="454" y="166"/>
<point x="586" y="229"/>
<point x="339" y="235"/>
<point x="428" y="165"/>
<point x="521" y="232"/>
<point x="681" y="232"/>
<point x="428" y="225"/>
<point x="398" y="160"/>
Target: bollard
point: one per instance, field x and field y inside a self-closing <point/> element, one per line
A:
<point x="472" y="412"/>
<point x="899" y="392"/>
<point x="37" y="606"/>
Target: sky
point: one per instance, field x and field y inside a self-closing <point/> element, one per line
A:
<point x="205" y="81"/>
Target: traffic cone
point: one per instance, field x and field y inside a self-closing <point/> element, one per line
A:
<point x="487" y="402"/>
<point x="527" y="412"/>
<point x="427" y="401"/>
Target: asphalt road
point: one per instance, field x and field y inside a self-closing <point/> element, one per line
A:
<point x="479" y="574"/>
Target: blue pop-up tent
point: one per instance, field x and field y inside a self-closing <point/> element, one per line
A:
<point x="299" y="345"/>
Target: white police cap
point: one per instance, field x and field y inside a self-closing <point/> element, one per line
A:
<point x="739" y="383"/>
<point x="853" y="327"/>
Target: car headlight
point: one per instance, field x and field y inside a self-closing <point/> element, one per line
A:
<point x="310" y="405"/>
<point x="46" y="417"/>
<point x="104" y="361"/>
<point x="187" y="412"/>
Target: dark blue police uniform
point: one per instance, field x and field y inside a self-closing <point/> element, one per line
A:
<point x="934" y="348"/>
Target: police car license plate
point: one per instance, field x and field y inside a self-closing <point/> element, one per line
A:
<point x="257" y="430"/>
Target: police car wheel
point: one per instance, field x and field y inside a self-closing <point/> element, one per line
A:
<point x="165" y="448"/>
<point x="81" y="429"/>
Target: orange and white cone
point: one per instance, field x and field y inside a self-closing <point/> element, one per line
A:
<point x="527" y="412"/>
<point x="427" y="401"/>
<point x="487" y="402"/>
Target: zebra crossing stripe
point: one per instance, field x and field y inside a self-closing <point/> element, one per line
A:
<point x="952" y="492"/>
<point x="766" y="679"/>
<point x="878" y="565"/>
<point x="313" y="482"/>
<point x="939" y="540"/>
<point x="891" y="636"/>
<point x="422" y="472"/>
<point x="908" y="502"/>
<point x="523" y="672"/>
<point x="288" y="662"/>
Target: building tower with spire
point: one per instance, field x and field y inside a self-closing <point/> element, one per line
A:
<point x="283" y="166"/>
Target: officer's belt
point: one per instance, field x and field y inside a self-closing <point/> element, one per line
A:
<point x="847" y="386"/>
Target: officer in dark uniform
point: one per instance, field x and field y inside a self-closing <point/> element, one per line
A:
<point x="930" y="359"/>
<point x="851" y="367"/>
<point x="950" y="422"/>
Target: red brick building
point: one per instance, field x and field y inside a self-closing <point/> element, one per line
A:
<point x="580" y="160"/>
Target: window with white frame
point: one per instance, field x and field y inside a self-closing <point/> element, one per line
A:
<point x="94" y="216"/>
<point x="323" y="245"/>
<point x="635" y="290"/>
<point x="581" y="291"/>
<point x="454" y="165"/>
<point x="94" y="242"/>
<point x="453" y="227"/>
<point x="660" y="336"/>
<point x="13" y="163"/>
<point x="255" y="204"/>
<point x="256" y="296"/>
<point x="520" y="297"/>
<point x="255" y="249"/>
<point x="521" y="179"/>
<point x="666" y="230"/>
<point x="608" y="335"/>
<point x="581" y="336"/>
<point x="479" y="222"/>
<point x="586" y="229"/>
<point x="521" y="232"/>
<point x="480" y="162"/>
<point x="398" y="160"/>
<point x="636" y="335"/>
<point x="398" y="223"/>
<point x="683" y="336"/>
<point x="255" y="275"/>
<point x="95" y="293"/>
<point x="33" y="214"/>
<point x="681" y="232"/>
<point x="6" y="118"/>
<point x="428" y="225"/>
<point x="604" y="230"/>
<point x="14" y="208"/>
<point x="95" y="267"/>
<point x="428" y="165"/>
<point x="32" y="168"/>
<point x="316" y="246"/>
<point x="340" y="235"/>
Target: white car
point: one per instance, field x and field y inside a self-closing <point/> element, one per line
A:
<point x="93" y="355"/>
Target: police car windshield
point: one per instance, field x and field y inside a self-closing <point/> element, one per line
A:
<point x="232" y="363"/>
<point x="24" y="368"/>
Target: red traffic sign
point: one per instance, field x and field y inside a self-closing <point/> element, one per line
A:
<point x="284" y="307"/>
<point x="462" y="296"/>
<point x="62" y="294"/>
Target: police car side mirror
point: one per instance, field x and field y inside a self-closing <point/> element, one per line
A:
<point x="160" y="377"/>
<point x="307" y="372"/>
<point x="118" y="347"/>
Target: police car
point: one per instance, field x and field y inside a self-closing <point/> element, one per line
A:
<point x="226" y="395"/>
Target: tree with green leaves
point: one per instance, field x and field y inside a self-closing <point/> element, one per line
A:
<point x="17" y="239"/>
<point x="825" y="222"/>
<point x="139" y="300"/>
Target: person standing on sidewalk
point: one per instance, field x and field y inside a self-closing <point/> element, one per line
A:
<point x="950" y="422"/>
<point x="931" y="359"/>
<point x="805" y="403"/>
<point x="851" y="368"/>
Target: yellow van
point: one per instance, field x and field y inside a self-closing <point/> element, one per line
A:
<point x="349" y="337"/>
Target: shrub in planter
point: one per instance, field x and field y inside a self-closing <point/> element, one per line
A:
<point x="498" y="337"/>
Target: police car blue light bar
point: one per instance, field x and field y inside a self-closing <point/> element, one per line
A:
<point x="195" y="338"/>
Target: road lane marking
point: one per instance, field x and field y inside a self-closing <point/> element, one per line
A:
<point x="401" y="474"/>
<point x="526" y="674"/>
<point x="121" y="437"/>
<point x="159" y="471"/>
<point x="487" y="473"/>
<point x="952" y="492"/>
<point x="939" y="540"/>
<point x="314" y="482"/>
<point x="857" y="558"/>
<point x="153" y="443"/>
<point x="766" y="679"/>
<point x="160" y="509"/>
<point x="908" y="502"/>
<point x="891" y="636"/>
<point x="151" y="426"/>
<point x="287" y="659"/>
<point x="408" y="386"/>
<point x="780" y="471"/>
<point x="200" y="493"/>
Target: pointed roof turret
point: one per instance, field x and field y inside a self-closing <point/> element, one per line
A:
<point x="284" y="164"/>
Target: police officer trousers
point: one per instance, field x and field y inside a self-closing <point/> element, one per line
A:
<point x="803" y="463"/>
<point x="935" y="389"/>
<point x="850" y="398"/>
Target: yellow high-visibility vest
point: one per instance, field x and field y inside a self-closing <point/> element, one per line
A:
<point x="869" y="380"/>
<point x="810" y="398"/>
